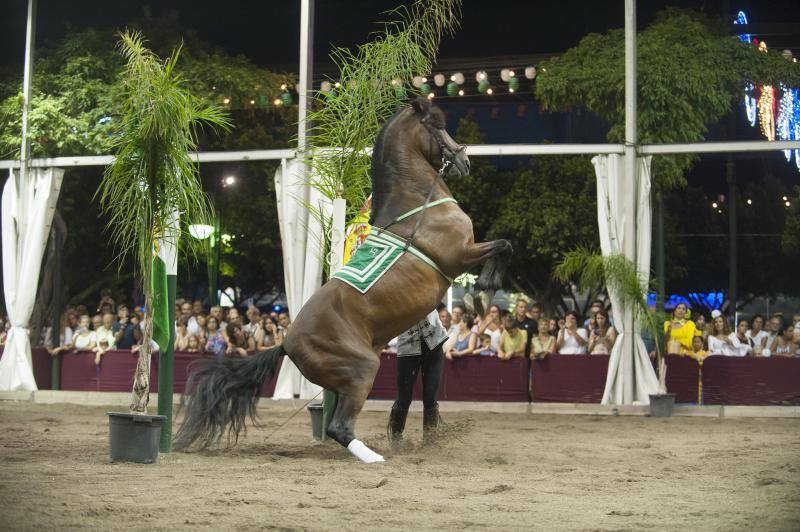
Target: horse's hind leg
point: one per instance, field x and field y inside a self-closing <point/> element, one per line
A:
<point x="350" y="398"/>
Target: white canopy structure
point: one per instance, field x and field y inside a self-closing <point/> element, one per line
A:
<point x="26" y="219"/>
<point x="301" y="236"/>
<point x="631" y="377"/>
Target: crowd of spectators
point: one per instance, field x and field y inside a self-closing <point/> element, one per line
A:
<point x="699" y="337"/>
<point x="115" y="327"/>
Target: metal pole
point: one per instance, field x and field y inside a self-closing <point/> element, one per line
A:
<point x="732" y="235"/>
<point x="629" y="205"/>
<point x="660" y="269"/>
<point x="336" y="262"/>
<point x="25" y="148"/>
<point x="55" y="369"/>
<point x="306" y="70"/>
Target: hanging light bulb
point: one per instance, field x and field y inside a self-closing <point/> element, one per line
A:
<point x="489" y="91"/>
<point x="226" y="101"/>
<point x="461" y="92"/>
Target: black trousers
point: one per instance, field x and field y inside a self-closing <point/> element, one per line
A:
<point x="430" y="362"/>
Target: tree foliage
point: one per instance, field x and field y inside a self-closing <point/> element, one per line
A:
<point x="690" y="74"/>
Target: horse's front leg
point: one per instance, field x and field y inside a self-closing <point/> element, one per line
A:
<point x="495" y="257"/>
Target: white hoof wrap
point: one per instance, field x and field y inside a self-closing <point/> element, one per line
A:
<point x="364" y="453"/>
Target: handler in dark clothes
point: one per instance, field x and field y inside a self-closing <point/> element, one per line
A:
<point x="420" y="347"/>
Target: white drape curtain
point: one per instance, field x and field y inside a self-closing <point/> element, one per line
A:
<point x="612" y="191"/>
<point x="24" y="239"/>
<point x="301" y="236"/>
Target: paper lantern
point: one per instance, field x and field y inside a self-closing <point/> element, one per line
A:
<point x="417" y="81"/>
<point x="483" y="86"/>
<point x="287" y="99"/>
<point x="439" y="80"/>
<point x="452" y="88"/>
<point x="425" y="89"/>
<point x="481" y="76"/>
<point x="505" y="74"/>
<point x="530" y="72"/>
<point x="325" y="86"/>
<point x="400" y="91"/>
<point x="513" y="84"/>
<point x="457" y="78"/>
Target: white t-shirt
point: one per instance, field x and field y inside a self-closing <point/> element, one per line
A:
<point x="721" y="347"/>
<point x="740" y="349"/>
<point x="83" y="341"/>
<point x="571" y="345"/>
<point x="759" y="337"/>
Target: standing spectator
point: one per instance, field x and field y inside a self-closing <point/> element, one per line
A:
<point x="679" y="331"/>
<point x="284" y="323"/>
<point x="544" y="343"/>
<point x="701" y="328"/>
<point x="105" y="333"/>
<point x="513" y="340"/>
<point x="233" y="316"/>
<point x="446" y="319"/>
<point x="197" y="307"/>
<point x="552" y="327"/>
<point x="84" y="339"/>
<point x="596" y="307"/>
<point x="603" y="336"/>
<point x="216" y="312"/>
<point x="572" y="340"/>
<point x="239" y="344"/>
<point x="124" y="330"/>
<point x="775" y="327"/>
<point x="97" y="322"/>
<point x="719" y="342"/>
<point x="525" y="323"/>
<point x="465" y="340"/>
<point x="758" y="335"/>
<point x="458" y="313"/>
<point x="253" y="320"/>
<point x="182" y="335"/>
<point x="783" y="345"/>
<point x="742" y="344"/>
<point x="215" y="344"/>
<point x="191" y="322"/>
<point x="490" y="324"/>
<point x="106" y="303"/>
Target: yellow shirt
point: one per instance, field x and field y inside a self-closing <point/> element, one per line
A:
<point x="512" y="344"/>
<point x="683" y="333"/>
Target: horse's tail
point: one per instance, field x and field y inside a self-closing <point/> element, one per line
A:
<point x="221" y="395"/>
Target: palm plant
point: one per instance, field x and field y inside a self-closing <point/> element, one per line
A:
<point x="590" y="269"/>
<point x="153" y="178"/>
<point x="372" y="85"/>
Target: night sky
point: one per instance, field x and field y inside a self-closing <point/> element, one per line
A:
<point x="267" y="31"/>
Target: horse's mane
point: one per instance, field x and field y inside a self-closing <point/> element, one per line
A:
<point x="378" y="171"/>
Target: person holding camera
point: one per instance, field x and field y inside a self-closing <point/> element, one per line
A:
<point x="603" y="335"/>
<point x="572" y="340"/>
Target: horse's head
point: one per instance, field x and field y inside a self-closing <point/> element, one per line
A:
<point x="438" y="146"/>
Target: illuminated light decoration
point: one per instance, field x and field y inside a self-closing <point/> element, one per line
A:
<point x="337" y="84"/>
<point x="784" y="198"/>
<point x="226" y="101"/>
<point x="439" y="80"/>
<point x="741" y="18"/>
<point x="431" y="95"/>
<point x="461" y="92"/>
<point x="788" y="203"/>
<point x="483" y="86"/>
<point x="276" y="102"/>
<point x="511" y="90"/>
<point x="283" y="86"/>
<point x="481" y="76"/>
<point x="452" y="88"/>
<point x="489" y="91"/>
<point x="715" y="205"/>
<point x="785" y="117"/>
<point x="457" y="78"/>
<point x="287" y="99"/>
<point x="513" y="84"/>
<point x="530" y="72"/>
<point x="766" y="112"/>
<point x="425" y="89"/>
<point x="252" y="102"/>
<point x="749" y="202"/>
<point x="750" y="103"/>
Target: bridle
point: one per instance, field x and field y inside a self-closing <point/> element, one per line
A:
<point x="448" y="158"/>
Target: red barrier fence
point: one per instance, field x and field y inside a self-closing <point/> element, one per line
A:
<point x="558" y="378"/>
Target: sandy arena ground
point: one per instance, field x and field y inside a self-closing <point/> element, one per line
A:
<point x="496" y="471"/>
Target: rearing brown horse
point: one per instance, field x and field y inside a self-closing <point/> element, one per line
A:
<point x="336" y="338"/>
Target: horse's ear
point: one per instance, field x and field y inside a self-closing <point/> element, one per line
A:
<point x="422" y="106"/>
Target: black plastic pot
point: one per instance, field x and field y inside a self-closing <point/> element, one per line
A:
<point x="134" y="437"/>
<point x="661" y="405"/>
<point x="316" y="420"/>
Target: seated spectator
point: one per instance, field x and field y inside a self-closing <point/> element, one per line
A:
<point x="239" y="344"/>
<point x="603" y="336"/>
<point x="215" y="343"/>
<point x="84" y="338"/>
<point x="182" y="335"/>
<point x="699" y="352"/>
<point x="513" y="340"/>
<point x="191" y="322"/>
<point x="490" y="324"/>
<point x="758" y="335"/>
<point x="269" y="335"/>
<point x="464" y="340"/>
<point x="572" y="340"/>
<point x="679" y="331"/>
<point x="742" y="344"/>
<point x="719" y="342"/>
<point x="783" y="345"/>
<point x="552" y="327"/>
<point x="193" y="344"/>
<point x="97" y="322"/>
<point x="124" y="330"/>
<point x="543" y="343"/>
<point x="485" y="348"/>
